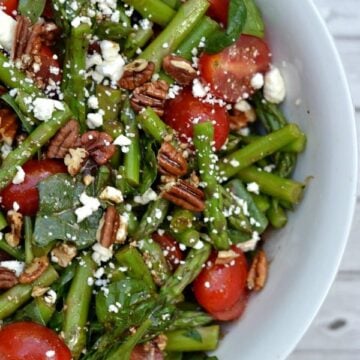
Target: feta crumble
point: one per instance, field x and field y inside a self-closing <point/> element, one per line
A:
<point x="274" y="87"/>
<point x="90" y="205"/>
<point x="253" y="187"/>
<point x="19" y="176"/>
<point x="43" y="108"/>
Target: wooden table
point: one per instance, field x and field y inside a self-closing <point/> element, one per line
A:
<point x="335" y="333"/>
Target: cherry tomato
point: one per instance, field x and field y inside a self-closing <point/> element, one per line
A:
<point x="140" y="353"/>
<point x="9" y="6"/>
<point x="171" y="248"/>
<point x="218" y="10"/>
<point x="30" y="341"/>
<point x="185" y="109"/>
<point x="48" y="64"/>
<point x="221" y="288"/>
<point x="230" y="71"/>
<point x="234" y="312"/>
<point x="26" y="194"/>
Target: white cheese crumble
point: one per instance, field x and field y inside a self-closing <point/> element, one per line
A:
<point x="198" y="89"/>
<point x="274" y="87"/>
<point x="7" y="31"/>
<point x="112" y="194"/>
<point x="257" y="81"/>
<point x="149" y="195"/>
<point x="50" y="297"/>
<point x="19" y="176"/>
<point x="124" y="142"/>
<point x="90" y="205"/>
<point x="101" y="253"/>
<point x="50" y="354"/>
<point x="44" y="108"/>
<point x="95" y="120"/>
<point x="93" y="102"/>
<point x="253" y="187"/>
<point x="13" y="265"/>
<point x="250" y="245"/>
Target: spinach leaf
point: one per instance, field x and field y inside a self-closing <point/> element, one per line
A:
<point x="254" y="24"/>
<point x="56" y="219"/>
<point x="236" y="22"/>
<point x="33" y="9"/>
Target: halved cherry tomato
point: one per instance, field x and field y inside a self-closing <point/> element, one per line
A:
<point x="221" y="289"/>
<point x="183" y="111"/>
<point x="230" y="71"/>
<point x="140" y="352"/>
<point x="218" y="10"/>
<point x="48" y="64"/>
<point x="9" y="6"/>
<point x="171" y="249"/>
<point x="26" y="194"/>
<point x="30" y="341"/>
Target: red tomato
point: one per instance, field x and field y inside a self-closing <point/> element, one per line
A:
<point x="230" y="71"/>
<point x="169" y="245"/>
<point x="140" y="353"/>
<point x="218" y="10"/>
<point x="185" y="109"/>
<point x="26" y="194"/>
<point x="47" y="62"/>
<point x="221" y="288"/>
<point x="9" y="6"/>
<point x="26" y="340"/>
<point x="234" y="312"/>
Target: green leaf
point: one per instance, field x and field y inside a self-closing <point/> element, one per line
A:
<point x="254" y="24"/>
<point x="219" y="40"/>
<point x="33" y="9"/>
<point x="193" y="334"/>
<point x="56" y="219"/>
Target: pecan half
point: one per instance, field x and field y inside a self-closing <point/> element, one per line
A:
<point x="241" y="115"/>
<point x="75" y="159"/>
<point x="136" y="74"/>
<point x="152" y="94"/>
<point x="226" y="257"/>
<point x="15" y="219"/>
<point x="63" y="254"/>
<point x="258" y="272"/>
<point x="171" y="161"/>
<point x="65" y="139"/>
<point x="147" y="351"/>
<point x="110" y="227"/>
<point x="8" y="278"/>
<point x="8" y="126"/>
<point x="179" y="69"/>
<point x="98" y="145"/>
<point x="185" y="195"/>
<point x="34" y="270"/>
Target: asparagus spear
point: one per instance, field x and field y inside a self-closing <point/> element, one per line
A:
<point x="189" y="319"/>
<point x="137" y="40"/>
<point x="203" y="137"/>
<point x="28" y="240"/>
<point x="14" y="252"/>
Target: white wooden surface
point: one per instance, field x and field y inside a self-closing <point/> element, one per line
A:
<point x="335" y="333"/>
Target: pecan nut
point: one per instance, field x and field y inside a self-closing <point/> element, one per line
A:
<point x="8" y="278"/>
<point x="15" y="219"/>
<point x="152" y="94"/>
<point x="179" y="69"/>
<point x="136" y="74"/>
<point x="34" y="270"/>
<point x="241" y="115"/>
<point x="8" y="126"/>
<point x="258" y="272"/>
<point x="75" y="159"/>
<point x="109" y="227"/>
<point x="171" y="162"/>
<point x="226" y="257"/>
<point x="63" y="254"/>
<point x="65" y="139"/>
<point x="185" y="195"/>
<point x="98" y="145"/>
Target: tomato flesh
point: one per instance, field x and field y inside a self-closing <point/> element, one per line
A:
<point x="9" y="6"/>
<point x="218" y="10"/>
<point x="221" y="289"/>
<point x="30" y="341"/>
<point x="182" y="112"/>
<point x="229" y="72"/>
<point x="26" y="194"/>
<point x="48" y="65"/>
<point x="171" y="248"/>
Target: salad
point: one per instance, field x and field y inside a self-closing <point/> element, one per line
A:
<point x="144" y="157"/>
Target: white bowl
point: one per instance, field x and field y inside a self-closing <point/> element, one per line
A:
<point x="305" y="255"/>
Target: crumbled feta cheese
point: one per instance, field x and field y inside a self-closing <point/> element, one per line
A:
<point x="274" y="87"/>
<point x="257" y="81"/>
<point x="50" y="354"/>
<point x="19" y="176"/>
<point x="112" y="194"/>
<point x="93" y="102"/>
<point x="90" y="205"/>
<point x="250" y="245"/>
<point x="149" y="195"/>
<point x="253" y="187"/>
<point x="269" y="168"/>
<point x="101" y="253"/>
<point x="113" y="308"/>
<point x="77" y="21"/>
<point x="7" y="31"/>
<point x="122" y="140"/>
<point x="234" y="163"/>
<point x="95" y="120"/>
<point x="44" y="108"/>
<point x="50" y="297"/>
<point x="198" y="89"/>
<point x="92" y="60"/>
<point x="13" y="265"/>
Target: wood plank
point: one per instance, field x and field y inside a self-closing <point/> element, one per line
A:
<point x="337" y="326"/>
<point x="324" y="355"/>
<point x="342" y="17"/>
